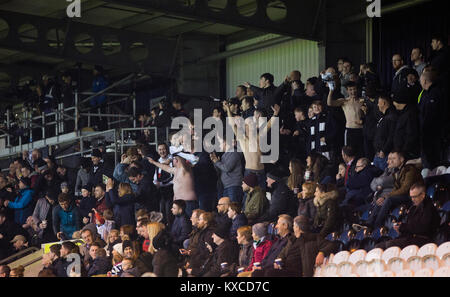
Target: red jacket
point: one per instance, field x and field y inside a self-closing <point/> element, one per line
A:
<point x="260" y="252"/>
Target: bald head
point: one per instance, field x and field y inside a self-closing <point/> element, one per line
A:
<point x="224" y="203"/>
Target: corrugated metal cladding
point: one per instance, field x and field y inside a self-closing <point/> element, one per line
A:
<point x="279" y="60"/>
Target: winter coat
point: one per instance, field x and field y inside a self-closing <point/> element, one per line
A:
<point x="96" y="177"/>
<point x="360" y="181"/>
<point x="180" y="230"/>
<point x="266" y="97"/>
<point x="282" y="202"/>
<point x="227" y="252"/>
<point x="165" y="264"/>
<point x="307" y="208"/>
<point x="123" y="208"/>
<point x="278" y="245"/>
<point x="146" y="194"/>
<point x="245" y="254"/>
<point x="406" y="135"/>
<point x="239" y="221"/>
<point x="384" y="132"/>
<point x="404" y="179"/>
<point x="385" y="181"/>
<point x="319" y="127"/>
<point x="144" y="263"/>
<point x="300" y="254"/>
<point x="86" y="206"/>
<point x="205" y="176"/>
<point x="231" y="169"/>
<point x="199" y="249"/>
<point x="422" y="220"/>
<point x="83" y="178"/>
<point x="101" y="265"/>
<point x="22" y="205"/>
<point x="222" y="219"/>
<point x="260" y="252"/>
<point x="255" y="204"/>
<point x="66" y="222"/>
<point x="327" y="217"/>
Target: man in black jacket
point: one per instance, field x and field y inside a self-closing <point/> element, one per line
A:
<point x="406" y="135"/>
<point x="432" y="118"/>
<point x="99" y="168"/>
<point x="8" y="229"/>
<point x="146" y="195"/>
<point x="265" y="94"/>
<point x="400" y="80"/>
<point x="421" y="224"/>
<point x="181" y="227"/>
<point x="384" y="132"/>
<point x="282" y="200"/>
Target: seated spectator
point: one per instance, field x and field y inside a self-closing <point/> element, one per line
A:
<point x="256" y="202"/>
<point x="340" y="176"/>
<point x="101" y="263"/>
<point x="61" y="264"/>
<point x="421" y="223"/>
<point x="226" y="251"/>
<point x="358" y="185"/>
<point x="282" y="199"/>
<point x="17" y="272"/>
<point x="65" y="217"/>
<point x="316" y="167"/>
<point x="4" y="271"/>
<point x="295" y="178"/>
<point x="261" y="245"/>
<point x="89" y="236"/>
<point x="165" y="259"/>
<point x="302" y="253"/>
<point x="50" y="259"/>
<point x="19" y="243"/>
<point x="86" y="204"/>
<point x="327" y="217"/>
<point x="197" y="242"/>
<point x="284" y="234"/>
<point x="404" y="178"/>
<point x="122" y="202"/>
<point x="306" y="207"/>
<point x="8" y="230"/>
<point x="349" y="157"/>
<point x="111" y="241"/>
<point x="104" y="223"/>
<point x="23" y="203"/>
<point x="238" y="219"/>
<point x="181" y="227"/>
<point x="221" y="216"/>
<point x="117" y="258"/>
<point x="245" y="241"/>
<point x="31" y="226"/>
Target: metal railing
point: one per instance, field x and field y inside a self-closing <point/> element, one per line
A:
<point x="18" y="255"/>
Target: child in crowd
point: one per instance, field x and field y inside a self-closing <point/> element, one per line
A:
<point x="104" y="222"/>
<point x="86" y="204"/>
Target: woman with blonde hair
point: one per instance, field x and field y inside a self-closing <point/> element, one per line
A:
<point x="122" y="201"/>
<point x="306" y="205"/>
<point x="296" y="178"/>
<point x="153" y="229"/>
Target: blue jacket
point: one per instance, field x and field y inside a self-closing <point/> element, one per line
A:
<point x="123" y="207"/>
<point x="23" y="206"/>
<point x="361" y="180"/>
<point x="66" y="221"/>
<point x="99" y="83"/>
<point x="181" y="228"/>
<point x="239" y="221"/>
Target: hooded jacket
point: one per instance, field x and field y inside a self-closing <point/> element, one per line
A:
<point x="282" y="201"/>
<point x="66" y="221"/>
<point x="256" y="204"/>
<point x="327" y="216"/>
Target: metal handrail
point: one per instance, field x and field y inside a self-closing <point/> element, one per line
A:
<point x="7" y="260"/>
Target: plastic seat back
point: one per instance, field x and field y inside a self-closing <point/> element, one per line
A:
<point x="397" y="264"/>
<point x="340" y="257"/>
<point x="388" y="273"/>
<point x="388" y="254"/>
<point x="415" y="263"/>
<point x="331" y="270"/>
<point x="425" y="272"/>
<point x="376" y="267"/>
<point x="428" y="249"/>
<point x="374" y="254"/>
<point x="405" y="273"/>
<point x="361" y="268"/>
<point x="356" y="256"/>
<point x="442" y="272"/>
<point x="409" y="251"/>
<point x="443" y="249"/>
<point x="432" y="262"/>
<point x="346" y="269"/>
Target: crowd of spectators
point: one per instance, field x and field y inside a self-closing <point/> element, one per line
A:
<point x="347" y="146"/>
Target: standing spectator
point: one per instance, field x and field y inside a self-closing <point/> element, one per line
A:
<point x="400" y="79"/>
<point x="83" y="175"/>
<point x="431" y="120"/>
<point x="183" y="182"/>
<point x="98" y="84"/>
<point x="384" y="132"/>
<point x="300" y="134"/>
<point x="230" y="168"/>
<point x="440" y="56"/>
<point x="352" y="108"/>
<point x="319" y="131"/>
<point x="86" y="204"/>
<point x="66" y="218"/>
<point x="43" y="215"/>
<point x="145" y="190"/>
<point x="256" y="203"/>
<point x="371" y="116"/>
<point x="23" y="203"/>
<point x="406" y="135"/>
<point x="247" y="107"/>
<point x="306" y="207"/>
<point x="99" y="168"/>
<point x="345" y="76"/>
<point x="241" y="92"/>
<point x="164" y="182"/>
<point x="181" y="227"/>
<point x="100" y="203"/>
<point x="295" y="178"/>
<point x="238" y="219"/>
<point x="418" y="60"/>
<point x="122" y="202"/>
<point x="265" y="93"/>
